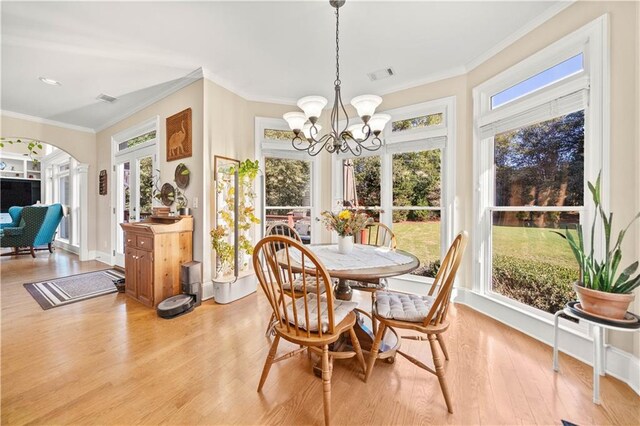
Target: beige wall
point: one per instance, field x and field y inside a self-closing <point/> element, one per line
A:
<point x="229" y="129"/>
<point x="80" y="145"/>
<point x="188" y="97"/>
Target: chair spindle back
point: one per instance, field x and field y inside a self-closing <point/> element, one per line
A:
<point x="444" y="280"/>
<point x="274" y="266"/>
<point x="377" y="234"/>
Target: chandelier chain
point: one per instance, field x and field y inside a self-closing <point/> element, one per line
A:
<point x="337" y="82"/>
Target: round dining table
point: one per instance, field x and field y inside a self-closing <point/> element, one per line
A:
<point x="366" y="263"/>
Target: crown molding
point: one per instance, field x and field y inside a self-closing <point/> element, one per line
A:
<point x="431" y="78"/>
<point x="40" y="120"/>
<point x="521" y="32"/>
<point x="233" y="88"/>
<point x="179" y="83"/>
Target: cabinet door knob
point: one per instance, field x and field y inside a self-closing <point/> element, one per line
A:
<point x="128" y="240"/>
<point x="141" y="243"/>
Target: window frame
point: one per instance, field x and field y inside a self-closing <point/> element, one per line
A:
<point x="591" y="40"/>
<point x="269" y="148"/>
<point x="441" y="136"/>
<point x="52" y="175"/>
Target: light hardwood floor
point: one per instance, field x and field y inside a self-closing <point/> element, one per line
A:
<point x="110" y="360"/>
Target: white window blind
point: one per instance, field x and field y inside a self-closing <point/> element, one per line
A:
<point x="567" y="104"/>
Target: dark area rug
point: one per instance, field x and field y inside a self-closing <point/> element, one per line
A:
<point x="75" y="288"/>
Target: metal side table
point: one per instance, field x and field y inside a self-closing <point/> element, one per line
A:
<point x="598" y="324"/>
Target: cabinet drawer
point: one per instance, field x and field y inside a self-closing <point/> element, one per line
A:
<point x="130" y="240"/>
<point x="145" y="242"/>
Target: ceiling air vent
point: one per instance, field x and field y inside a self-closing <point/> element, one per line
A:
<point x="381" y="74"/>
<point x="106" y="98"/>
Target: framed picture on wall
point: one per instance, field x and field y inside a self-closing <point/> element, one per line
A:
<point x="179" y="135"/>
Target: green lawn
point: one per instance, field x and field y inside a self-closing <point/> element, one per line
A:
<point x="423" y="240"/>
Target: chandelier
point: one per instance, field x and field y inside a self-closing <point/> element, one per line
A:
<point x="352" y="138"/>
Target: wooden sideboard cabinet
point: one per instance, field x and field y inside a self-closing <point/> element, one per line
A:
<point x="154" y="250"/>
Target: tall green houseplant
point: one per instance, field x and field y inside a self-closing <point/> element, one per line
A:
<point x="597" y="274"/>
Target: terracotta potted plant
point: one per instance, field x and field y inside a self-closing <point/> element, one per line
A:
<point x="601" y="290"/>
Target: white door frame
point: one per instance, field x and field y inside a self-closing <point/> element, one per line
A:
<point x="146" y="149"/>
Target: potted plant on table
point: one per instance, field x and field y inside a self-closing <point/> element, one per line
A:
<point x="346" y="223"/>
<point x="601" y="290"/>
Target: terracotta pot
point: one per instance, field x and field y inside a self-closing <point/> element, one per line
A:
<point x="610" y="305"/>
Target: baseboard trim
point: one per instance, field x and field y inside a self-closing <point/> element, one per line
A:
<point x="207" y="290"/>
<point x="619" y="364"/>
<point x="66" y="247"/>
<point x="101" y="257"/>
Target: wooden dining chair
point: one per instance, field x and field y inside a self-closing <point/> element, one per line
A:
<point x="424" y="314"/>
<point x="281" y="228"/>
<point x="313" y="320"/>
<point x="377" y="234"/>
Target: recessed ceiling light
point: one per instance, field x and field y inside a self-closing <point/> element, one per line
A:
<point x="50" y="81"/>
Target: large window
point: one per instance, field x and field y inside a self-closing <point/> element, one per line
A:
<point x="403" y="185"/>
<point x="539" y="137"/>
<point x="289" y="183"/>
<point x="417" y="186"/>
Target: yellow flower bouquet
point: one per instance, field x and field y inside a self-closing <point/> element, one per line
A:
<point x="346" y="222"/>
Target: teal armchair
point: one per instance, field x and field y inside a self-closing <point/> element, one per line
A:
<point x="16" y="214"/>
<point x="37" y="227"/>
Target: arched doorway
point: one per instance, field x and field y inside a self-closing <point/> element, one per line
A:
<point x="53" y="176"/>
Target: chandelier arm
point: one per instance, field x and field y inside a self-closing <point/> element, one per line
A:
<point x="355" y="148"/>
<point x="344" y="111"/>
<point x="376" y="143"/>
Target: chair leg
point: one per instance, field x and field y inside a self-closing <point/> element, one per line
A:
<point x="326" y="384"/>
<point x="356" y="346"/>
<point x="33" y="252"/>
<point x="50" y="248"/>
<point x="374" y="322"/>
<point x="270" y="325"/>
<point x="269" y="361"/>
<point x="373" y="355"/>
<point x="443" y="346"/>
<point x="437" y="362"/>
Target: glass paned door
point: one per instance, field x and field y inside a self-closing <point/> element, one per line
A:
<point x="134" y="187"/>
<point x="288" y="194"/>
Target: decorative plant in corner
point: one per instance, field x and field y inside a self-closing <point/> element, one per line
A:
<point x="222" y="235"/>
<point x="601" y="290"/>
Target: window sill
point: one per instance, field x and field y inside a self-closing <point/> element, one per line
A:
<point x="472" y="297"/>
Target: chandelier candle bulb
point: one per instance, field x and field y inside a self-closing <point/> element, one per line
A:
<point x="312" y="106"/>
<point x="378" y="121"/>
<point x="356" y="131"/>
<point x="366" y="105"/>
<point x="295" y="120"/>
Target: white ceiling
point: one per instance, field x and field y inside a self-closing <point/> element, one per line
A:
<point x="277" y="51"/>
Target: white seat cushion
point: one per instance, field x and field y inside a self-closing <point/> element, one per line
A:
<point x="341" y="309"/>
<point x="402" y="306"/>
<point x="298" y="283"/>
